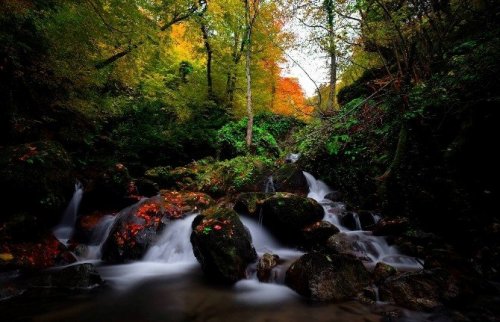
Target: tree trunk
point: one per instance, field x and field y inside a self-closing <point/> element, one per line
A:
<point x="329" y="7"/>
<point x="208" y="48"/>
<point x="249" y="77"/>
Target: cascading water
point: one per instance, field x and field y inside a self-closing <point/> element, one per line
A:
<point x="174" y="245"/>
<point x="269" y="187"/>
<point x="372" y="248"/>
<point x="64" y="231"/>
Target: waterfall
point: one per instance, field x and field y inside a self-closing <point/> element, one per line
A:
<point x="374" y="248"/>
<point x="317" y="188"/>
<point x="174" y="245"/>
<point x="99" y="236"/>
<point x="64" y="230"/>
<point x="269" y="187"/>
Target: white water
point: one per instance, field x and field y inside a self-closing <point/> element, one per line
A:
<point x="174" y="245"/>
<point x="64" y="230"/>
<point x="269" y="188"/>
<point x="373" y="248"/>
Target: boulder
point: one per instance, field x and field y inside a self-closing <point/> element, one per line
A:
<point x="222" y="245"/>
<point x="146" y="187"/>
<point x="367" y="219"/>
<point x="38" y="182"/>
<point x="138" y="226"/>
<point x="111" y="189"/>
<point x="350" y="220"/>
<point x="316" y="234"/>
<point x="290" y="178"/>
<point x="334" y="196"/>
<point x="32" y="256"/>
<point x="382" y="271"/>
<point x="265" y="266"/>
<point x="414" y="290"/>
<point x="343" y="243"/>
<point x="79" y="276"/>
<point x="325" y="277"/>
<point x="250" y="203"/>
<point x="286" y="214"/>
<point x="391" y="226"/>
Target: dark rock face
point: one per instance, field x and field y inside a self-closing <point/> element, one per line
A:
<point x="33" y="256"/>
<point x="334" y="196"/>
<point x="222" y="245"/>
<point x="383" y="271"/>
<point x="250" y="203"/>
<point x="289" y="178"/>
<point x="146" y="187"/>
<point x="316" y="234"/>
<point x="38" y="182"/>
<point x="343" y="243"/>
<point x="80" y="276"/>
<point x="287" y="214"/>
<point x="265" y="266"/>
<point x="112" y="189"/>
<point x="391" y="227"/>
<point x="350" y="220"/>
<point x="324" y="277"/>
<point x="136" y="227"/>
<point x="413" y="290"/>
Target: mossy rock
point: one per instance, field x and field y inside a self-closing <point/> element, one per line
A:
<point x="250" y="203"/>
<point x="39" y="180"/>
<point x="138" y="226"/>
<point x="290" y="178"/>
<point x="286" y="214"/>
<point x="326" y="277"/>
<point x="222" y="245"/>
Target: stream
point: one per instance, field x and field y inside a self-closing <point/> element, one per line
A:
<point x="168" y="284"/>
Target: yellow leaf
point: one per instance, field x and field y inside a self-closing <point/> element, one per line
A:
<point x="6" y="257"/>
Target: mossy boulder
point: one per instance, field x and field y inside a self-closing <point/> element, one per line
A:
<point x="290" y="178"/>
<point x="222" y="245"/>
<point x="265" y="267"/>
<point x="138" y="226"/>
<point x="286" y="214"/>
<point x="317" y="234"/>
<point x="327" y="277"/>
<point x="250" y="203"/>
<point x="79" y="276"/>
<point x="38" y="180"/>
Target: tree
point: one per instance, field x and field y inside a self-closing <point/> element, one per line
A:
<point x="251" y="13"/>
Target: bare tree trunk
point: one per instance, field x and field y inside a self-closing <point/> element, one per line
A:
<point x="248" y="53"/>
<point x="208" y="48"/>
<point x="249" y="98"/>
<point x="330" y="13"/>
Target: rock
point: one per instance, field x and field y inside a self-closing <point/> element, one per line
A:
<point x="382" y="271"/>
<point x="222" y="245"/>
<point x="324" y="277"/>
<point x="286" y="214"/>
<point x="33" y="256"/>
<point x="343" y="243"/>
<point x="290" y="178"/>
<point x="391" y="226"/>
<point x="318" y="233"/>
<point x="250" y="203"/>
<point x="367" y="219"/>
<point x="265" y="266"/>
<point x="350" y="220"/>
<point x="334" y="196"/>
<point x="146" y="187"/>
<point x="38" y="183"/>
<point x="80" y="276"/>
<point x="112" y="189"/>
<point x="137" y="227"/>
<point x="419" y="291"/>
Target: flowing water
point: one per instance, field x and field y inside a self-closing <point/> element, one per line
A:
<point x="168" y="284"/>
<point x="64" y="231"/>
<point x="372" y="248"/>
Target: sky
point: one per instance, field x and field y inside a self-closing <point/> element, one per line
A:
<point x="313" y="64"/>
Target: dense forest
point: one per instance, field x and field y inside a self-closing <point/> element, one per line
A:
<point x="174" y="132"/>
